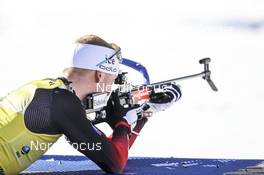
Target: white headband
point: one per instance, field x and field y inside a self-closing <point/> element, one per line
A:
<point x="93" y="57"/>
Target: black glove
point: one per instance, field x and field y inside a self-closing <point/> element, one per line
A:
<point x="115" y="111"/>
<point x="171" y="93"/>
<point x="163" y="100"/>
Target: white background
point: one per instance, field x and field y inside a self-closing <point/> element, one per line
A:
<point x="168" y="37"/>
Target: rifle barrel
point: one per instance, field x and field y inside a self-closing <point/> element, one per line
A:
<point x="180" y="78"/>
<point x="173" y="80"/>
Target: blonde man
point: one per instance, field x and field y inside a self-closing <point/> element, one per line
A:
<point x="41" y="111"/>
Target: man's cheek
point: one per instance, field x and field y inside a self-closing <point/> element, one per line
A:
<point x="101" y="87"/>
<point x="109" y="88"/>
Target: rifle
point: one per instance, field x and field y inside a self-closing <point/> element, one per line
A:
<point x="132" y="95"/>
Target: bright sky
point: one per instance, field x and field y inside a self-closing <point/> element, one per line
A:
<point x="168" y="37"/>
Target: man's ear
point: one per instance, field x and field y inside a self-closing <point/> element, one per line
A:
<point x="98" y="76"/>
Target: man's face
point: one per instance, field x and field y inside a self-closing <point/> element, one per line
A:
<point x="105" y="82"/>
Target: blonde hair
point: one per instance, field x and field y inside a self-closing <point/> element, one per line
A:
<point x="93" y="39"/>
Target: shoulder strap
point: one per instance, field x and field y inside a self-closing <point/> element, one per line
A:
<point x="66" y="83"/>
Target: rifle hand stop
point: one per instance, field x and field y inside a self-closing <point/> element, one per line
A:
<point x="207" y="73"/>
